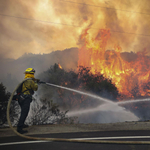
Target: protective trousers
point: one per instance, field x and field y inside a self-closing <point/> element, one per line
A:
<point x="25" y="106"/>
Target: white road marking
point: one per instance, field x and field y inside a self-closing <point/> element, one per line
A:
<point x="24" y="142"/>
<point x="109" y="138"/>
<point x="94" y="138"/>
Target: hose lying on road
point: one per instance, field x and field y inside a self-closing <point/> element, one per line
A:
<point x="61" y="139"/>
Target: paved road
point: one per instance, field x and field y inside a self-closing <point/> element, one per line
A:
<point x="18" y="143"/>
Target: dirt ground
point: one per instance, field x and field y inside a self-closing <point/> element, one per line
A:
<point x="64" y="128"/>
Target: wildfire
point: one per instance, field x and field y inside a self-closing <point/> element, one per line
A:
<point x="131" y="78"/>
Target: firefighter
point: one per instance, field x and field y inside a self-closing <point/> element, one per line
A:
<point x="25" y="98"/>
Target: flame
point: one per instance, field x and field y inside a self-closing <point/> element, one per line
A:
<point x="131" y="78"/>
<point x="59" y="66"/>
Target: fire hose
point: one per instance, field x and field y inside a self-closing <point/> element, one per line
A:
<point x="62" y="139"/>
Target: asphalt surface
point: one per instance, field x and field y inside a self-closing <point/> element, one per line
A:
<point x="18" y="143"/>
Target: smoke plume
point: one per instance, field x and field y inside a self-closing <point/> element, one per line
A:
<point x="65" y="22"/>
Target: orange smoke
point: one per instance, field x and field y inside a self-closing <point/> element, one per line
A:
<point x="131" y="78"/>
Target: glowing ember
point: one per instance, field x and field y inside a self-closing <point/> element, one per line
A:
<point x="131" y="78"/>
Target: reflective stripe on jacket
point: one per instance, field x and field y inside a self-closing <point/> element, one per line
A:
<point x="29" y="85"/>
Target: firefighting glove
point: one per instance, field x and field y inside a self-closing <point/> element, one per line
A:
<point x="37" y="80"/>
<point x="41" y="82"/>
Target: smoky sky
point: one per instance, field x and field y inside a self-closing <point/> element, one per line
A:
<point x="66" y="20"/>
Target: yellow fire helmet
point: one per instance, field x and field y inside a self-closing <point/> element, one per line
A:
<point x="30" y="70"/>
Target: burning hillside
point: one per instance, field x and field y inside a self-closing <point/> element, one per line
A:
<point x="131" y="78"/>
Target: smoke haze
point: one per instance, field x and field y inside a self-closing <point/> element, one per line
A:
<point x="19" y="36"/>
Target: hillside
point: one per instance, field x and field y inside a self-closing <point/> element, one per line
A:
<point x="12" y="70"/>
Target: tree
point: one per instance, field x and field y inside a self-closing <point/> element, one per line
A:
<point x="4" y="97"/>
<point x="80" y="80"/>
<point x="97" y="83"/>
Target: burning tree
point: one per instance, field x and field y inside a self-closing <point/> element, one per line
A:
<point x="97" y="83"/>
<point x="130" y="78"/>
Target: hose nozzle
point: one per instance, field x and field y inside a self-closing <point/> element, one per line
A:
<point x="41" y="82"/>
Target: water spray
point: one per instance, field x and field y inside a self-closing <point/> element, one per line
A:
<point x="67" y="140"/>
<point x="133" y="101"/>
<point x="95" y="96"/>
<point x="80" y="92"/>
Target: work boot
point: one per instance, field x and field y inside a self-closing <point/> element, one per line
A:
<point x="22" y="131"/>
<point x="25" y="126"/>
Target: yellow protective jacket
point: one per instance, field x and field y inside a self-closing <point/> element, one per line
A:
<point x="29" y="86"/>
